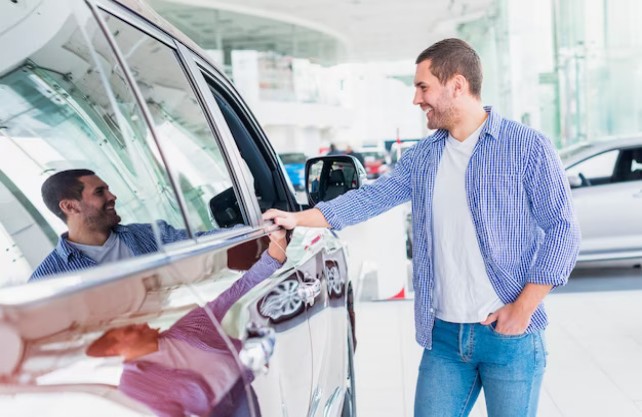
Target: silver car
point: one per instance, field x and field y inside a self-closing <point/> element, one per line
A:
<point x="108" y="86"/>
<point x="606" y="182"/>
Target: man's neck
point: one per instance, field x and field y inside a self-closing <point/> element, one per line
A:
<point x="150" y="346"/>
<point x="470" y="120"/>
<point x="88" y="237"/>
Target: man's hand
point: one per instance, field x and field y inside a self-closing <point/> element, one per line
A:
<point x="308" y="218"/>
<point x="278" y="245"/>
<point x="512" y="319"/>
<point x="284" y="219"/>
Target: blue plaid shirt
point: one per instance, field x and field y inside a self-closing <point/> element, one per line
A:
<point x="139" y="238"/>
<point x="519" y="199"/>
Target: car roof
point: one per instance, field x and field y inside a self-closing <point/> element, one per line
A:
<point x="582" y="150"/>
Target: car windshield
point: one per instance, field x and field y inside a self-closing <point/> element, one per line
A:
<point x="293" y="158"/>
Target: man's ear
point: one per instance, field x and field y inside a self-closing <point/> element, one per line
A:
<point x="460" y="85"/>
<point x="69" y="206"/>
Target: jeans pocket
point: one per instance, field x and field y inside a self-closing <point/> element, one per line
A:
<point x="502" y="335"/>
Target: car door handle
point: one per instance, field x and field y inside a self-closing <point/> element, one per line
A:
<point x="258" y="348"/>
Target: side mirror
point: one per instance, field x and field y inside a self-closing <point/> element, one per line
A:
<point x="328" y="177"/>
<point x="574" y="181"/>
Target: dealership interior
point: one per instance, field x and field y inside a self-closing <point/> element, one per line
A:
<point x="328" y="77"/>
<point x="342" y="71"/>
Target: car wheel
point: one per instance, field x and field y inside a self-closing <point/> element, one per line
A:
<point x="283" y="302"/>
<point x="335" y="283"/>
<point x="350" y="399"/>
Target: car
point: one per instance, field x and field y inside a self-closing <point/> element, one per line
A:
<point x="294" y="163"/>
<point x="110" y="87"/>
<point x="375" y="161"/>
<point x="606" y="183"/>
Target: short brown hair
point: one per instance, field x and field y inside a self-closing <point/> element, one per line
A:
<point x="63" y="185"/>
<point x="454" y="56"/>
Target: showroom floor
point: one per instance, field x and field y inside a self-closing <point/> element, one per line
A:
<point x="594" y="340"/>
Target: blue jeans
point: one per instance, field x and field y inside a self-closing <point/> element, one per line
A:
<point x="466" y="357"/>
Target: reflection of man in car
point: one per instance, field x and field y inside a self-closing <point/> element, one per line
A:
<point x="494" y="232"/>
<point x="188" y="369"/>
<point x="84" y="202"/>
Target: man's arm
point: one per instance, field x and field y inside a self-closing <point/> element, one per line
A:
<point x="355" y="206"/>
<point x="551" y="205"/>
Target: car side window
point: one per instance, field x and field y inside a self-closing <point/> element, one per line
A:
<point x="63" y="105"/>
<point x="190" y="150"/>
<point x="267" y="174"/>
<point x="629" y="166"/>
<point x="597" y="170"/>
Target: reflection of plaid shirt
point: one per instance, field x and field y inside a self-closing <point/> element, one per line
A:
<point x="519" y="199"/>
<point x="173" y="392"/>
<point x="139" y="238"/>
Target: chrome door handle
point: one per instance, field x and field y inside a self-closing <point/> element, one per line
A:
<point x="258" y="348"/>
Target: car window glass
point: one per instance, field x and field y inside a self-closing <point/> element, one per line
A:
<point x="598" y="169"/>
<point x="192" y="154"/>
<point x="65" y="105"/>
<point x="630" y="165"/>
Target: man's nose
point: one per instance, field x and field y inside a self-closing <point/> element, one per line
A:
<point x="417" y="100"/>
<point x="111" y="196"/>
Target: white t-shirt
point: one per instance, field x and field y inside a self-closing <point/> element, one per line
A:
<point x="463" y="292"/>
<point x="114" y="249"/>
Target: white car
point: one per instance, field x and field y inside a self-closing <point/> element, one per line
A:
<point x="606" y="181"/>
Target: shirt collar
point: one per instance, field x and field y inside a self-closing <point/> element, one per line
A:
<point x="491" y="127"/>
<point x="65" y="250"/>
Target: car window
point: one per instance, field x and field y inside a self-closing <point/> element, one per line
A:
<point x="629" y="166"/>
<point x="293" y="158"/>
<point x="596" y="170"/>
<point x="270" y="186"/>
<point x="64" y="106"/>
<point x="189" y="147"/>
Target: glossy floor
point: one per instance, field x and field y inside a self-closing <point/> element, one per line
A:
<point x="595" y="344"/>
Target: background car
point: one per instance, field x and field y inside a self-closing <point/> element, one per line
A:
<point x="108" y="86"/>
<point x="606" y="181"/>
<point x="294" y="163"/>
<point x="375" y="161"/>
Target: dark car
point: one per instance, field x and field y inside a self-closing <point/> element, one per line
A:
<point x="108" y="86"/>
<point x="294" y="164"/>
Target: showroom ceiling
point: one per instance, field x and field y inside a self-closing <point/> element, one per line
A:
<point x="327" y="31"/>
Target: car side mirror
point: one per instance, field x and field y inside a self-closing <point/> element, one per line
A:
<point x="328" y="177"/>
<point x="574" y="181"/>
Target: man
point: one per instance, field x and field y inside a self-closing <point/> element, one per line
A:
<point x="84" y="202"/>
<point x="494" y="231"/>
<point x="351" y="152"/>
<point x="189" y="369"/>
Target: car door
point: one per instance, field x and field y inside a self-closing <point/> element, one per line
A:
<point x="608" y="204"/>
<point x="72" y="340"/>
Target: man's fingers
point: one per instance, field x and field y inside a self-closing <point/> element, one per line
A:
<point x="490" y="319"/>
<point x="271" y="214"/>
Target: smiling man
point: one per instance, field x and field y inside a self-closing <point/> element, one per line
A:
<point x="494" y="232"/>
<point x="84" y="202"/>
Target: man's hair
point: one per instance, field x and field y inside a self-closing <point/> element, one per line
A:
<point x="453" y="56"/>
<point x="63" y="185"/>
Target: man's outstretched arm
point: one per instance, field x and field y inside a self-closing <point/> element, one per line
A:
<point x="307" y="218"/>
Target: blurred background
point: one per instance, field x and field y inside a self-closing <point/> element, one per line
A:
<point x="324" y="72"/>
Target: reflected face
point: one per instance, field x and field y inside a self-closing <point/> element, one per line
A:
<point x="97" y="207"/>
<point x="133" y="336"/>
<point x="435" y="99"/>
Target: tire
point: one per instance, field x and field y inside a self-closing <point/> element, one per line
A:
<point x="349" y="399"/>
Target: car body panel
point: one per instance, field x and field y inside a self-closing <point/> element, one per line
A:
<point x="116" y="89"/>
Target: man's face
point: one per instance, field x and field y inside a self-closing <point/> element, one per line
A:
<point x="130" y="339"/>
<point x="97" y="206"/>
<point x="435" y="99"/>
